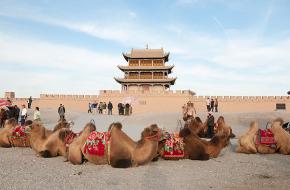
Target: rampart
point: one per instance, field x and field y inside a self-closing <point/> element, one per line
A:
<point x="162" y="101"/>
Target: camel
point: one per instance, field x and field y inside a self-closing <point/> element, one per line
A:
<point x="45" y="142"/>
<point x="6" y="131"/>
<point x="246" y="142"/>
<point x="282" y="137"/>
<point x="123" y="152"/>
<point x="75" y="148"/>
<point x="197" y="127"/>
<point x="222" y="127"/>
<point x="196" y="148"/>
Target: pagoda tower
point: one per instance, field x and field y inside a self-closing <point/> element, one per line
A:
<point x="146" y="71"/>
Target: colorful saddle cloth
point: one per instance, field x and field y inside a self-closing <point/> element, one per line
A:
<point x="265" y="137"/>
<point x="96" y="143"/>
<point x="70" y="137"/>
<point x="173" y="147"/>
<point x="19" y="136"/>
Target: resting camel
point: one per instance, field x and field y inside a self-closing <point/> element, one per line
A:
<point x="222" y="127"/>
<point x="123" y="152"/>
<point x="46" y="142"/>
<point x="197" y="127"/>
<point x="75" y="148"/>
<point x="246" y="142"/>
<point x="196" y="148"/>
<point x="6" y="131"/>
<point x="282" y="137"/>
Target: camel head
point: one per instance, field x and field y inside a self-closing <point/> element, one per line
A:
<point x="151" y="133"/>
<point x="90" y="127"/>
<point x="254" y="126"/>
<point x="279" y="120"/>
<point x="276" y="126"/>
<point x="36" y="126"/>
<point x="221" y="120"/>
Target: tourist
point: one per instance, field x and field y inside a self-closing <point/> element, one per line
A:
<point x="16" y="112"/>
<point x="29" y="101"/>
<point x="211" y="105"/>
<point x="104" y="107"/>
<point x="130" y="110"/>
<point x="127" y="108"/>
<point x="123" y="109"/>
<point x="61" y="112"/>
<point x="23" y="115"/>
<point x="120" y="108"/>
<point x="90" y="108"/>
<point x="208" y="104"/>
<point x="216" y="105"/>
<point x="210" y="125"/>
<point x="110" y="108"/>
<point x="100" y="108"/>
<point x="36" y="114"/>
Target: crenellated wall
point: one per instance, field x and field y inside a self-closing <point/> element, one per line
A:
<point x="162" y="101"/>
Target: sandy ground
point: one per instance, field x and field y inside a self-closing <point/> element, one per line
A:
<point x="21" y="169"/>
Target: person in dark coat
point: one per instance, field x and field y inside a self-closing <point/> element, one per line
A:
<point x="16" y="112"/>
<point x="210" y="125"/>
<point x="110" y="108"/>
<point x="61" y="112"/>
<point x="211" y="105"/>
<point x="127" y="108"/>
<point x="120" y="108"/>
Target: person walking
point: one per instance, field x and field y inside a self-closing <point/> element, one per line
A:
<point x="210" y="125"/>
<point x="127" y="107"/>
<point x="23" y="115"/>
<point x="110" y="108"/>
<point x="105" y="107"/>
<point x="208" y="104"/>
<point x="216" y="105"/>
<point x="36" y="114"/>
<point x="29" y="101"/>
<point x="61" y="112"/>
<point x="211" y="105"/>
<point x="90" y="108"/>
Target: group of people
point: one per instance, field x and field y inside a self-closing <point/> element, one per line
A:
<point x="212" y="105"/>
<point x="101" y="108"/>
<point x="20" y="115"/>
<point x="124" y="109"/>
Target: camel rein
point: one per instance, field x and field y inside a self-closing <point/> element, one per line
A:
<point x="155" y="137"/>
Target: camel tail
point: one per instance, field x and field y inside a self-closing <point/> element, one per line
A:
<point x="122" y="163"/>
<point x="45" y="154"/>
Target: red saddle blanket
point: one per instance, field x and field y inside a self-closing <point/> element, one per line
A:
<point x="96" y="143"/>
<point x="265" y="137"/>
<point x="70" y="137"/>
<point x="20" y="131"/>
<point x="173" y="147"/>
<point x="19" y="136"/>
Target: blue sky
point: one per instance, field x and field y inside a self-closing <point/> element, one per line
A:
<point x="218" y="47"/>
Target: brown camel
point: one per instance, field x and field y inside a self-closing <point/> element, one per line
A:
<point x="41" y="142"/>
<point x="6" y="131"/>
<point x="282" y="138"/>
<point x="123" y="152"/>
<point x="197" y="127"/>
<point x="75" y="148"/>
<point x="222" y="127"/>
<point x="247" y="142"/>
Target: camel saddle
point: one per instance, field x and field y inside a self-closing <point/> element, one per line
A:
<point x="20" y="136"/>
<point x="96" y="143"/>
<point x="265" y="137"/>
<point x="173" y="147"/>
<point x="70" y="137"/>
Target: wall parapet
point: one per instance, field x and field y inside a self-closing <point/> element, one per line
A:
<point x="68" y="97"/>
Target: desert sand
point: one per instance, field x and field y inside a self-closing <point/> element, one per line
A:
<point x="21" y="169"/>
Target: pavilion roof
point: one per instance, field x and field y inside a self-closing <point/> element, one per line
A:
<point x="146" y="54"/>
<point x="167" y="80"/>
<point x="147" y="68"/>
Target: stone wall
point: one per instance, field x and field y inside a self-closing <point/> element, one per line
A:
<point x="163" y="101"/>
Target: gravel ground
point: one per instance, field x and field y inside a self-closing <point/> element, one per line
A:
<point x="21" y="169"/>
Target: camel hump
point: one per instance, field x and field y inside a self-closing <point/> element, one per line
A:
<point x="122" y="163"/>
<point x="118" y="125"/>
<point x="45" y="154"/>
